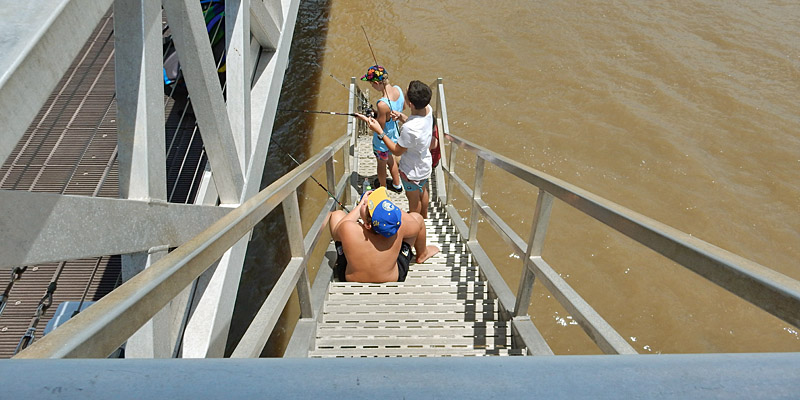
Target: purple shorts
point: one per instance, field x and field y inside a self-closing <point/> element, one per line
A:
<point x="381" y="155"/>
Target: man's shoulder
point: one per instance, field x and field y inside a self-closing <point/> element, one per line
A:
<point x="348" y="228"/>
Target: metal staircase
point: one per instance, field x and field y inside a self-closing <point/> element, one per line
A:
<point x="443" y="309"/>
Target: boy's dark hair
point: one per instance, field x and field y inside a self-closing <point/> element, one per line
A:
<point x="419" y="94"/>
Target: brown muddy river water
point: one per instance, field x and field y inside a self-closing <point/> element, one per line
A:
<point x="686" y="112"/>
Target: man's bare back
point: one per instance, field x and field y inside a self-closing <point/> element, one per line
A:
<point x="372" y="257"/>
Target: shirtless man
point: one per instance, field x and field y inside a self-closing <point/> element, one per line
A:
<point x="379" y="248"/>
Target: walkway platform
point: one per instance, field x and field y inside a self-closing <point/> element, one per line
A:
<point x="443" y="308"/>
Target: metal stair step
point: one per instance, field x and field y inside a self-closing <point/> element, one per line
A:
<point x="366" y="298"/>
<point x="399" y="305"/>
<point x="444" y="316"/>
<point x="433" y="325"/>
<point x="414" y="352"/>
<point x="401" y="287"/>
<point x="415" y="332"/>
<point x="409" y="341"/>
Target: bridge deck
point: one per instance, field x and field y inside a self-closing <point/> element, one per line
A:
<point x="444" y="307"/>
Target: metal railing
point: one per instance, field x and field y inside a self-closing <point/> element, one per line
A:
<point x="102" y="328"/>
<point x="765" y="288"/>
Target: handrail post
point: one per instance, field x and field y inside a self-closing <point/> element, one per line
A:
<point x="440" y="118"/>
<point x="451" y="171"/>
<point x="444" y="132"/>
<point x="476" y="195"/>
<point x="541" y="218"/>
<point x="294" y="230"/>
<point x="330" y="173"/>
<point x="347" y="159"/>
<point x="350" y="158"/>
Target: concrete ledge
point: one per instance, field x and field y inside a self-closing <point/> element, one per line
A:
<point x="750" y="376"/>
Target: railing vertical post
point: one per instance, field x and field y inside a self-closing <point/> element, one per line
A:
<point x="440" y="118"/>
<point x="541" y="218"/>
<point x="350" y="157"/>
<point x="330" y="174"/>
<point x="451" y="170"/>
<point x="294" y="229"/>
<point x="347" y="172"/>
<point x="444" y="131"/>
<point x="476" y="195"/>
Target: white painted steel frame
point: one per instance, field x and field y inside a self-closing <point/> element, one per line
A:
<point x="43" y="227"/>
<point x="767" y="289"/>
<point x="100" y="329"/>
<point x="200" y="73"/>
<point x="238" y="76"/>
<point x="141" y="145"/>
<point x="207" y="328"/>
<point x="40" y="40"/>
<point x="140" y="100"/>
<point x="266" y="19"/>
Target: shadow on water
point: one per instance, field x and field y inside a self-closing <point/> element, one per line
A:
<point x="268" y="252"/>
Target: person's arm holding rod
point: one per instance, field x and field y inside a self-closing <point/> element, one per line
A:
<point x="375" y="126"/>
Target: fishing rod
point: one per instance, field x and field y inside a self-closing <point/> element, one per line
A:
<point x="368" y="112"/>
<point x="370" y="45"/>
<point x="316" y="112"/>
<point x="312" y="177"/>
<point x="365" y="107"/>
<point x="361" y="96"/>
<point x="385" y="91"/>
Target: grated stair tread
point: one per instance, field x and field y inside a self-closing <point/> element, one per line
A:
<point x="414" y="352"/>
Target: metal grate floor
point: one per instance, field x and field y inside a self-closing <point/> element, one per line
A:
<point x="443" y="309"/>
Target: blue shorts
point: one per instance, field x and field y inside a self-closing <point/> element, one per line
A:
<point x="410" y="185"/>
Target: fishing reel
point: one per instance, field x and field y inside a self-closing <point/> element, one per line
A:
<point x="369" y="111"/>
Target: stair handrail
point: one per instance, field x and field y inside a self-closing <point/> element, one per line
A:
<point x="774" y="292"/>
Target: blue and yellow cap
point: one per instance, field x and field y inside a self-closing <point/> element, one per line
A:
<point x="386" y="216"/>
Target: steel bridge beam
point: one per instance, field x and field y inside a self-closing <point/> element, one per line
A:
<point x="206" y="331"/>
<point x="728" y="376"/>
<point x="44" y="227"/>
<point x="197" y="64"/>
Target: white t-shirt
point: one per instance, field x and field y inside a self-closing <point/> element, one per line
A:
<point x="415" y="136"/>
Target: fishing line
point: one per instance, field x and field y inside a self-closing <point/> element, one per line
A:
<point x="365" y="107"/>
<point x="312" y="177"/>
<point x="361" y="96"/>
<point x="316" y="112"/>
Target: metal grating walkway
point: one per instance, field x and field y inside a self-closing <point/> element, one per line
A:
<point x="443" y="308"/>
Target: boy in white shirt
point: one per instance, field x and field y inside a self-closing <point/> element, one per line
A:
<point x="413" y="145"/>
